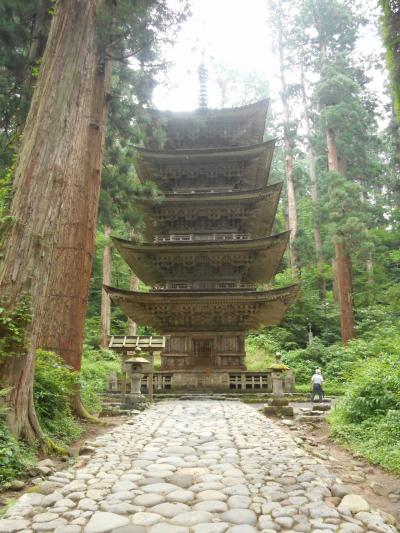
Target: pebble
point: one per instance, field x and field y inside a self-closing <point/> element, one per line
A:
<point x="102" y="522"/>
<point x="195" y="467"/>
<point x="169" y="510"/>
<point x="211" y="506"/>
<point x="9" y="525"/>
<point x="240" y="516"/>
<point x="355" y="503"/>
<point x="192" y="518"/>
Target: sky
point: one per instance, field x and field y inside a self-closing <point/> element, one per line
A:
<point x="235" y="33"/>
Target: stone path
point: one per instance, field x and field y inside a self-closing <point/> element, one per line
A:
<point x="195" y="467"/>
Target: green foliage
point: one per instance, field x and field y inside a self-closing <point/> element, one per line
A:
<point x="368" y="417"/>
<point x="338" y="361"/>
<point x="53" y="386"/>
<point x="391" y="36"/>
<point x="330" y="388"/>
<point x="15" y="456"/>
<point x="260" y="352"/>
<point x="96" y="366"/>
<point x="23" y="35"/>
<point x="12" y="328"/>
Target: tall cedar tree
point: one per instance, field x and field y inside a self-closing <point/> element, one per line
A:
<point x="278" y="8"/>
<point x="331" y="19"/>
<point x="24" y="29"/>
<point x="48" y="249"/>
<point x="391" y="38"/>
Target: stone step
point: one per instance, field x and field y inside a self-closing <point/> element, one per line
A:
<point x="311" y="418"/>
<point x="321" y="407"/>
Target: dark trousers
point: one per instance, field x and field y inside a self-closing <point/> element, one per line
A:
<point x="317" y="389"/>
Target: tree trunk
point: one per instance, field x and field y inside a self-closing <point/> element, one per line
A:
<point x="333" y="160"/>
<point x="370" y="269"/>
<point x="105" y="299"/>
<point x="38" y="38"/>
<point x="288" y="146"/>
<point x="134" y="287"/>
<point x="312" y="170"/>
<point x="48" y="250"/>
<point x="342" y="258"/>
<point x="343" y="268"/>
<point x="335" y="290"/>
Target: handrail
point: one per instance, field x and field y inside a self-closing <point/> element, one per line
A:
<point x="190" y="237"/>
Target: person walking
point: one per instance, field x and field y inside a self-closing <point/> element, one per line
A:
<point x="317" y="381"/>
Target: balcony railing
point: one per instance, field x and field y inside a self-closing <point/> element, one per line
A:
<point x="204" y="285"/>
<point x="191" y="237"/>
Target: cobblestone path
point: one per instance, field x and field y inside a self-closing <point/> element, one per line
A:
<point x="195" y="467"/>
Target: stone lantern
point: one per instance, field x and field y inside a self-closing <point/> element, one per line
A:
<point x="136" y="367"/>
<point x="278" y="405"/>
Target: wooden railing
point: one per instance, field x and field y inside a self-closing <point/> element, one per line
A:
<point x="190" y="237"/>
<point x="204" y="285"/>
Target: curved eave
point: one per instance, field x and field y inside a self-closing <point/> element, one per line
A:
<point x="149" y="162"/>
<point x="250" y="119"/>
<point x="261" y="106"/>
<point x="170" y="312"/>
<point x="261" y="205"/>
<point x="256" y="260"/>
<point x="201" y="198"/>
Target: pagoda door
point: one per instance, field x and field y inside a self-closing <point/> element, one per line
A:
<point x="203" y="353"/>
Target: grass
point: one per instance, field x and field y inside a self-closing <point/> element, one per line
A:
<point x="377" y="439"/>
<point x="330" y="389"/>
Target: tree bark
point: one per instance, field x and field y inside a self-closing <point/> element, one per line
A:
<point x="48" y="250"/>
<point x="333" y="160"/>
<point x="38" y="38"/>
<point x="312" y="170"/>
<point x="343" y="268"/>
<point x="342" y="259"/>
<point x="335" y="290"/>
<point x="370" y="269"/>
<point x="288" y="146"/>
<point x="105" y="299"/>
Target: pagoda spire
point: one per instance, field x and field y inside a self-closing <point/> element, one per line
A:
<point x="203" y="78"/>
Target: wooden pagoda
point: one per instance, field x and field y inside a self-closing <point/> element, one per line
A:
<point x="209" y="249"/>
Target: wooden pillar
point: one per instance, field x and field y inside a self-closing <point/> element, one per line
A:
<point x="105" y="299"/>
<point x="123" y="376"/>
<point x="150" y="377"/>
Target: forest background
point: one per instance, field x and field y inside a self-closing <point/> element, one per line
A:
<point x="338" y="154"/>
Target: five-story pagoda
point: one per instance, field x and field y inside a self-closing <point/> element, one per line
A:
<point x="208" y="244"/>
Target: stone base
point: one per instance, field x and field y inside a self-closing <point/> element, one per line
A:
<point x="278" y="407"/>
<point x="200" y="380"/>
<point x="208" y="380"/>
<point x="218" y="380"/>
<point x="135" y="401"/>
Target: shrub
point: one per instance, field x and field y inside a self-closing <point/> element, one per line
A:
<point x="15" y="456"/>
<point x="260" y="352"/>
<point x="12" y="328"/>
<point x="96" y="366"/>
<point x="368" y="417"/>
<point x="53" y="386"/>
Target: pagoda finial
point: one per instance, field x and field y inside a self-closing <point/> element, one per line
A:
<point x="203" y="76"/>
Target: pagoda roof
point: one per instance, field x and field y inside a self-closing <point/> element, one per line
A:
<point x="254" y="209"/>
<point x="173" y="311"/>
<point x="250" y="165"/>
<point x="250" y="261"/>
<point x="205" y="128"/>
